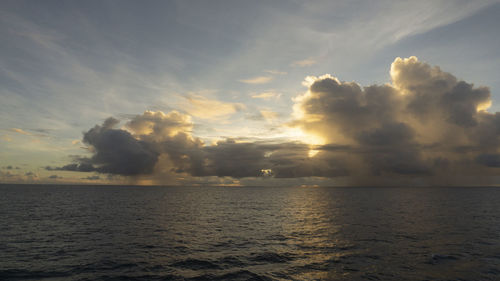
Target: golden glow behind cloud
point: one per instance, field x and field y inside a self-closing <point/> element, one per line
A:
<point x="159" y="125"/>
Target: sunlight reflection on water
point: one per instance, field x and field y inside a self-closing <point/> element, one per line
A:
<point x="221" y="233"/>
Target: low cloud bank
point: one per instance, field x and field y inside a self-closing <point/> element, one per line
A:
<point x="425" y="125"/>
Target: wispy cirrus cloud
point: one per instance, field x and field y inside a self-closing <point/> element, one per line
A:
<point x="304" y="62"/>
<point x="20" y="131"/>
<point x="267" y="95"/>
<point x="38" y="132"/>
<point x="257" y="80"/>
<point x="276" y="72"/>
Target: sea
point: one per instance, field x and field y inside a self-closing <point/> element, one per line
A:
<point x="74" y="232"/>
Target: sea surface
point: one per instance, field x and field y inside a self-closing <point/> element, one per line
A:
<point x="52" y="232"/>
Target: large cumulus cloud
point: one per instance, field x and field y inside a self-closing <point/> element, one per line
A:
<point x="115" y="151"/>
<point x="155" y="142"/>
<point x="426" y="124"/>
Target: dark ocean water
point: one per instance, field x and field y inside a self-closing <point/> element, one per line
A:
<point x="251" y="233"/>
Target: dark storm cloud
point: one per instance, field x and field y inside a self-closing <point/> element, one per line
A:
<point x="296" y="162"/>
<point x="427" y="123"/>
<point x="76" y="167"/>
<point x="162" y="143"/>
<point x="116" y="151"/>
<point x="228" y="158"/>
<point x="283" y="160"/>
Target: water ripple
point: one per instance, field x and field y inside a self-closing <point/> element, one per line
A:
<point x="218" y="233"/>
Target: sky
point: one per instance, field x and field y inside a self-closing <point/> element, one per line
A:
<point x="250" y="92"/>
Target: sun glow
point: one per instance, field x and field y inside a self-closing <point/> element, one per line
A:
<point x="296" y="134"/>
<point x="483" y="106"/>
<point x="312" y="153"/>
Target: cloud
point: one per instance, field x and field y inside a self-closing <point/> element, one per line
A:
<point x="276" y="72"/>
<point x="8" y="176"/>
<point x="426" y="125"/>
<point x="267" y="95"/>
<point x="39" y="133"/>
<point x="264" y="115"/>
<point x="20" y="131"/>
<point x="305" y="62"/>
<point x="115" y="151"/>
<point x="135" y="149"/>
<point x="30" y="176"/>
<point x="269" y="115"/>
<point x="205" y="108"/>
<point x="76" y="167"/>
<point x="159" y="143"/>
<point x="157" y="126"/>
<point x="43" y="131"/>
<point x="417" y="126"/>
<point x="257" y="80"/>
<point x="10" y="167"/>
<point x="230" y="158"/>
<point x="27" y="177"/>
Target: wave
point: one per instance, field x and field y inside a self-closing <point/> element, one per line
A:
<point x="239" y="275"/>
<point x="270" y="257"/>
<point x="23" y="274"/>
<point x="195" y="264"/>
